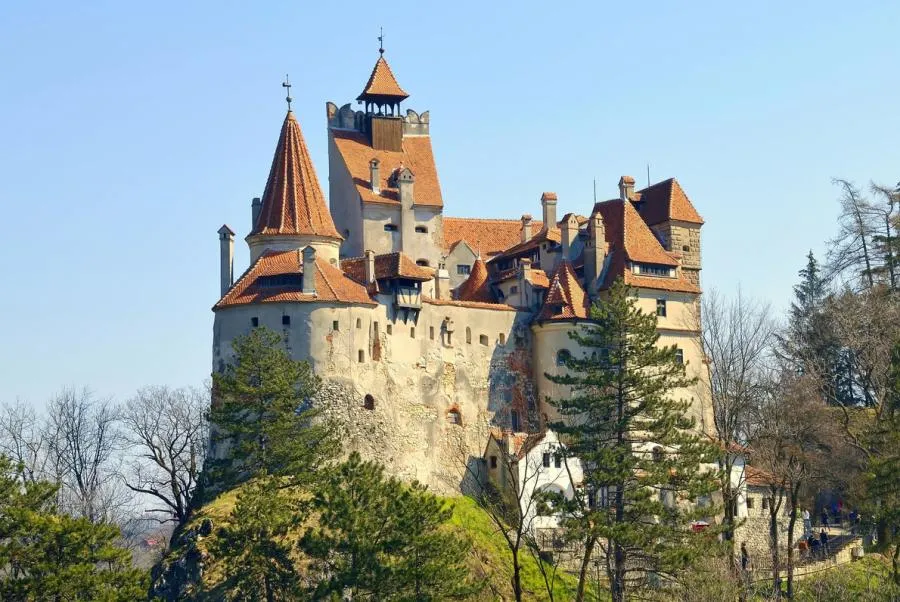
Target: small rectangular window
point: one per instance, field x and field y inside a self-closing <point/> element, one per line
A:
<point x="749" y="503"/>
<point x="334" y="325"/>
<point x="558" y="461"/>
<point x="546" y="460"/>
<point x="285" y="320"/>
<point x="362" y="356"/>
<point x="661" y="308"/>
<point x="483" y="339"/>
<point x="513" y="290"/>
<point x="765" y="503"/>
<point x="502" y="339"/>
<point x="679" y="356"/>
<point x="390" y="329"/>
<point x="431" y="332"/>
<point x="463" y="269"/>
<point x="390" y="227"/>
<point x="422" y="263"/>
<point x="358" y="323"/>
<point x="493" y="461"/>
<point x="254" y="322"/>
<point x="412" y="332"/>
<point x="421" y="229"/>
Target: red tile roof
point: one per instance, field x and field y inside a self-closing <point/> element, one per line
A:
<point x="388" y="265"/>
<point x="293" y="202"/>
<point x="757" y="478"/>
<point x="382" y="84"/>
<point x="252" y="287"/>
<point x="469" y="304"/>
<point x="566" y="299"/>
<point x="476" y="287"/>
<point x="417" y="155"/>
<point x="667" y="200"/>
<point x="543" y="235"/>
<point x="539" y="279"/>
<point x="485" y="236"/>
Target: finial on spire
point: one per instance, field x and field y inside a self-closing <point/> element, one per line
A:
<point x="287" y="84"/>
<point x="380" y="40"/>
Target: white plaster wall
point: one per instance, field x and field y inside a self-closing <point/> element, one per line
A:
<point x="375" y="216"/>
<point x="534" y="477"/>
<point x="462" y="254"/>
<point x="344" y="202"/>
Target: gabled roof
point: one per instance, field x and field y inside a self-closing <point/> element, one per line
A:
<point x="293" y="202"/>
<point x="566" y="299"/>
<point x="382" y="84"/>
<point x="630" y="239"/>
<point x="664" y="201"/>
<point x="388" y="265"/>
<point x="756" y="477"/>
<point x="277" y="276"/>
<point x="417" y="155"/>
<point x="485" y="236"/>
<point x="543" y="235"/>
<point x="476" y="287"/>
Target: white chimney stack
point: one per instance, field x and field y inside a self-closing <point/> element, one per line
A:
<point x="226" y="258"/>
<point x="370" y="267"/>
<point x="548" y="204"/>
<point x="569" y="232"/>
<point x="375" y="176"/>
<point x="442" y="283"/>
<point x="309" y="271"/>
<point x="526" y="227"/>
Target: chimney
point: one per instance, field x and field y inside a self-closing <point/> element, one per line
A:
<point x="569" y="232"/>
<point x="374" y="176"/>
<point x="226" y="258"/>
<point x="309" y="271"/>
<point x="370" y="266"/>
<point x="405" y="181"/>
<point x="626" y="188"/>
<point x="595" y="253"/>
<point x="442" y="284"/>
<point x="524" y="276"/>
<point x="548" y="204"/>
<point x="526" y="227"/>
<point x="255" y="208"/>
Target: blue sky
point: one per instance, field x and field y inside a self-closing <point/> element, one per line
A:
<point x="132" y="131"/>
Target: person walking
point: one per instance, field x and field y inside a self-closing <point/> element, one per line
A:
<point x="745" y="557"/>
<point x="825" y="518"/>
<point x="823" y="539"/>
<point x="807" y="523"/>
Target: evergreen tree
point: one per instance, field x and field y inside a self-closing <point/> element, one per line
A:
<point x="637" y="444"/>
<point x="256" y="554"/>
<point x="262" y="413"/>
<point x="45" y="555"/>
<point x="378" y="539"/>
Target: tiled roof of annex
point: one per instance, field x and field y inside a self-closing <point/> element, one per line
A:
<point x="486" y="236"/>
<point x="566" y="299"/>
<point x="277" y="276"/>
<point x="388" y="265"/>
<point x="417" y="155"/>
<point x="293" y="202"/>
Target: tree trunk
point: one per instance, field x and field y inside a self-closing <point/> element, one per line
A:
<point x="583" y="572"/>
<point x="790" y="541"/>
<point x="617" y="587"/>
<point x="773" y="544"/>
<point x="516" y="576"/>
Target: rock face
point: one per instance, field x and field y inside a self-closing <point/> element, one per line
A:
<point x="179" y="575"/>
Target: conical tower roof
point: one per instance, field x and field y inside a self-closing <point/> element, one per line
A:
<point x="566" y="299"/>
<point x="293" y="202"/>
<point x="476" y="287"/>
<point x="382" y="85"/>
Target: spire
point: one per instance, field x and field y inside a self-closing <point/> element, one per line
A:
<point x="293" y="202"/>
<point x="382" y="87"/>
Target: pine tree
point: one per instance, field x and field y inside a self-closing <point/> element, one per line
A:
<point x="637" y="444"/>
<point x="253" y="546"/>
<point x="378" y="539"/>
<point x="262" y="412"/>
<point x="45" y="555"/>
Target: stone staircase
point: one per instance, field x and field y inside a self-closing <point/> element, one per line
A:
<point x="840" y="551"/>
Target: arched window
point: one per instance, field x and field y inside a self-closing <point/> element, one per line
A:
<point x="453" y="416"/>
<point x="369" y="402"/>
<point x="562" y="356"/>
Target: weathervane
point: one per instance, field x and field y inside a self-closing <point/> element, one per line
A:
<point x="380" y="40"/>
<point x="287" y="84"/>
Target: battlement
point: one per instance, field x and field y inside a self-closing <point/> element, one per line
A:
<point x="347" y="118"/>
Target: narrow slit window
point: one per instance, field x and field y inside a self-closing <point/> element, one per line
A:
<point x="285" y="320"/>
<point x="335" y="325"/>
<point x="431" y="332"/>
<point x="362" y="356"/>
<point x="412" y="332"/>
<point x="661" y="308"/>
<point x="502" y="339"/>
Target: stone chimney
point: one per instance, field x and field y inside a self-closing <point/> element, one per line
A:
<point x="442" y="283"/>
<point x="370" y="266"/>
<point x="569" y="232"/>
<point x="626" y="188"/>
<point x="255" y="208"/>
<point x="548" y="204"/>
<point x="595" y="252"/>
<point x="309" y="271"/>
<point x="526" y="227"/>
<point x="375" y="176"/>
<point x="226" y="258"/>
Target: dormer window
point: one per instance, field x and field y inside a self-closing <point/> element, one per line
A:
<point x="653" y="270"/>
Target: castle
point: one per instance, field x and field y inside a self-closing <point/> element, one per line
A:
<point x="433" y="334"/>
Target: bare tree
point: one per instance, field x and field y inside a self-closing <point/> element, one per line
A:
<point x="168" y="432"/>
<point x="852" y="248"/>
<point x="737" y="335"/>
<point x="887" y="240"/>
<point x="23" y="439"/>
<point x="84" y="442"/>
